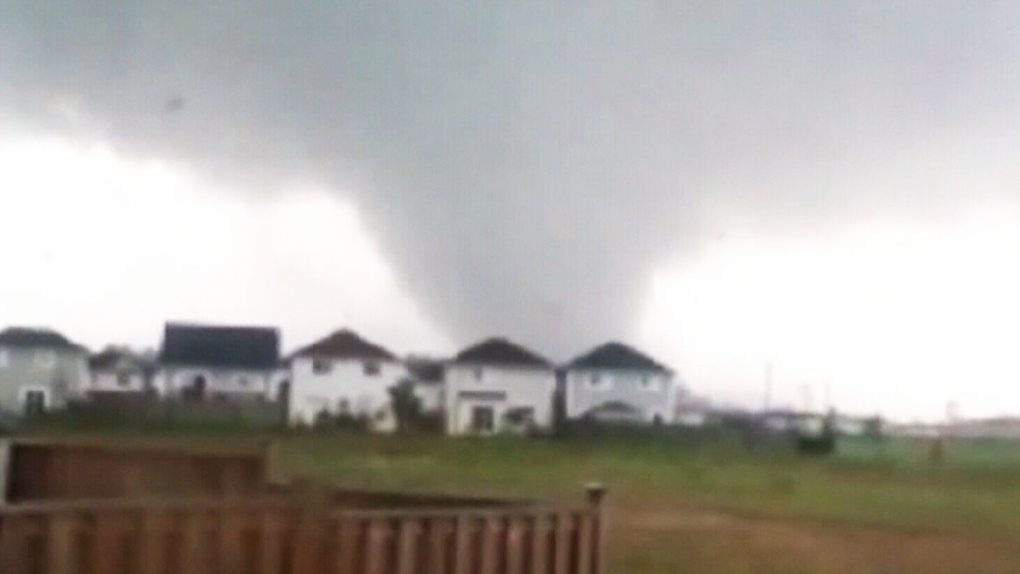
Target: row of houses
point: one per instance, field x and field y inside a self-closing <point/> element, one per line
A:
<point x="482" y="389"/>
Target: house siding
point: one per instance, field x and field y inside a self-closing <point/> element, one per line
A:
<point x="520" y="386"/>
<point x="310" y="393"/>
<point x="623" y="386"/>
<point x="108" y="381"/>
<point x="237" y="383"/>
<point x="20" y="369"/>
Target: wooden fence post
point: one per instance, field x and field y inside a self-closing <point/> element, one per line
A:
<point x="273" y="462"/>
<point x="595" y="493"/>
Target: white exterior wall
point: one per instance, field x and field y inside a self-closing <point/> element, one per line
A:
<point x="310" y="393"/>
<point x="621" y="385"/>
<point x="171" y="380"/>
<point x="523" y="387"/>
<point x="106" y="380"/>
<point x="431" y="396"/>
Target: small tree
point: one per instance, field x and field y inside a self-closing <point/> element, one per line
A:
<point x="406" y="406"/>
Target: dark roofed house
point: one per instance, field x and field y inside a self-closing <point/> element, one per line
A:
<point x="344" y="374"/>
<point x="614" y="375"/>
<point x="39" y="370"/>
<point x="198" y="362"/>
<point x="428" y="377"/>
<point x="498" y="385"/>
<point x="119" y="370"/>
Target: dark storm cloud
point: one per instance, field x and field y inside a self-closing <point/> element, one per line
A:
<point x="524" y="165"/>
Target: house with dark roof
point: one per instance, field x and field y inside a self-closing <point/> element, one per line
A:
<point x="615" y="382"/>
<point x="498" y="385"/>
<point x="119" y="370"/>
<point x="428" y="377"/>
<point x="39" y="370"/>
<point x="212" y="362"/>
<point x="344" y="373"/>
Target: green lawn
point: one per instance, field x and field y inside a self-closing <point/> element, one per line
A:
<point x="971" y="492"/>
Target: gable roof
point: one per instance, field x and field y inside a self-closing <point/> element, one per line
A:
<point x="499" y="351"/>
<point x="615" y="355"/>
<point x="220" y="346"/>
<point x="345" y="344"/>
<point x="36" y="338"/>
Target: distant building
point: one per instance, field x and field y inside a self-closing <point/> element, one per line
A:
<point x="216" y="363"/>
<point x="427" y="376"/>
<point x="498" y="385"/>
<point x="39" y="370"/>
<point x="615" y="382"/>
<point x="115" y="370"/>
<point x="344" y="374"/>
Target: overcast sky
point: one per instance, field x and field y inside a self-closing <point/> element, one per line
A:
<point x="832" y="187"/>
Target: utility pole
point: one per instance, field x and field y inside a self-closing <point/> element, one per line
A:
<point x="768" y="386"/>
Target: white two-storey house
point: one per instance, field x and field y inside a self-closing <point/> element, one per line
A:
<point x="616" y="383"/>
<point x="497" y="385"/>
<point x="344" y="374"/>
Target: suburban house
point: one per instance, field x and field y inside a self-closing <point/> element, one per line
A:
<point x="427" y="377"/>
<point x="616" y="383"/>
<point x="344" y="374"/>
<point x="118" y="370"/>
<point x="497" y="385"/>
<point x="204" y="362"/>
<point x="39" y="370"/>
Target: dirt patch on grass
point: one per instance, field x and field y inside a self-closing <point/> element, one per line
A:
<point x="683" y="539"/>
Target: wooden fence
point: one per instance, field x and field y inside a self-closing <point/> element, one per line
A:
<point x="278" y="536"/>
<point x="49" y="470"/>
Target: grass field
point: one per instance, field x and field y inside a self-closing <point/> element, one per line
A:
<point x="684" y="509"/>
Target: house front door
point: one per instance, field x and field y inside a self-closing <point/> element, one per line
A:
<point x="483" y="419"/>
<point x="35" y="402"/>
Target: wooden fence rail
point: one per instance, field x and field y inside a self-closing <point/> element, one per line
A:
<point x="278" y="536"/>
<point x="49" y="470"/>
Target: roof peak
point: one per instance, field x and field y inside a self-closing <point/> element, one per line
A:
<point x="617" y="355"/>
<point x="344" y="343"/>
<point x="501" y="351"/>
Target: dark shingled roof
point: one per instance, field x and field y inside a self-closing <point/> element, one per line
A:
<point x="345" y="344"/>
<point x="35" y="338"/>
<point x="216" y="346"/>
<point x="616" y="356"/>
<point x="499" y="351"/>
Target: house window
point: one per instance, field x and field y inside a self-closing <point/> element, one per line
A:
<point x="123" y="379"/>
<point x="5" y="360"/>
<point x="599" y="382"/>
<point x="649" y="384"/>
<point x="45" y="359"/>
<point x="478" y="373"/>
<point x="243" y="381"/>
<point x="321" y="367"/>
<point x="371" y="368"/>
<point x="34" y="402"/>
<point x="520" y="416"/>
<point x="483" y="419"/>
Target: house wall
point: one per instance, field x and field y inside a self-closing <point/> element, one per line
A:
<point x="110" y="380"/>
<point x="346" y="380"/>
<point x="59" y="372"/>
<point x="237" y="383"/>
<point x="431" y="396"/>
<point x="620" y="385"/>
<point x="523" y="387"/>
